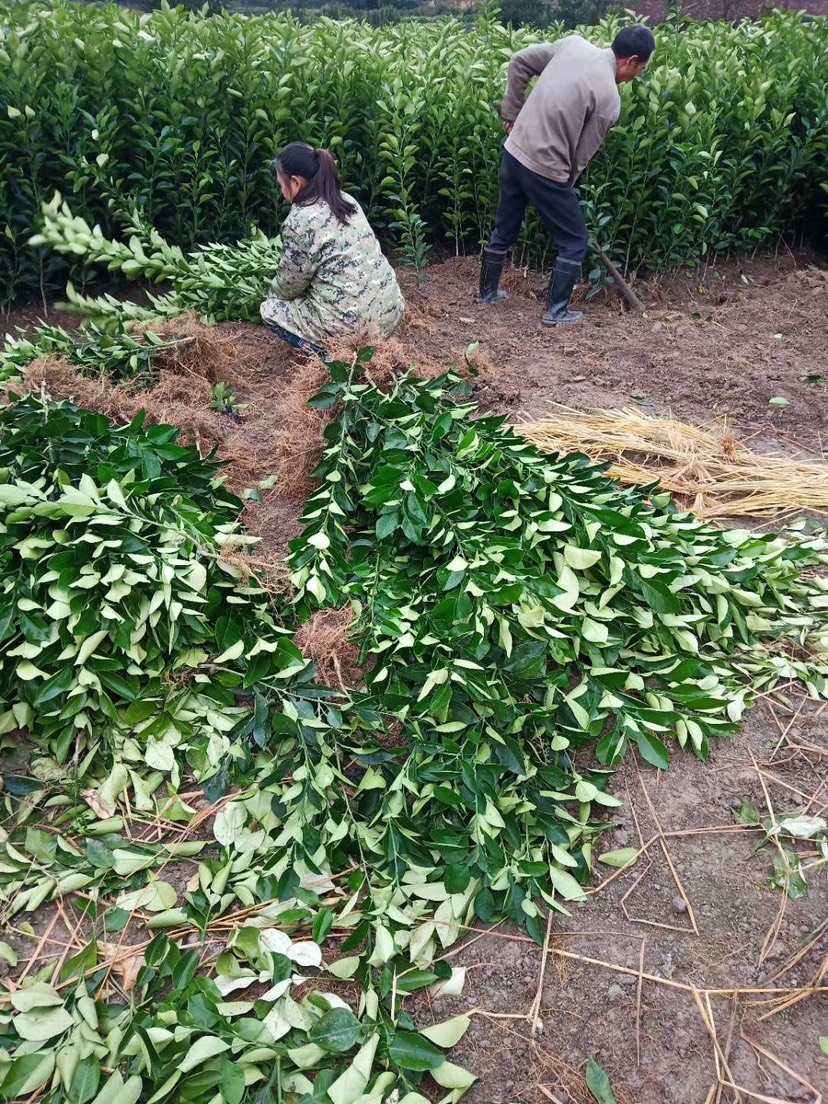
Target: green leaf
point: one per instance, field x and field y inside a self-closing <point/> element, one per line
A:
<point x="344" y="968"/>
<point x="7" y="954"/>
<point x="624" y="856"/>
<point x="747" y="812"/>
<point x="658" y="597"/>
<point x="412" y="1051"/>
<point x="11" y="495"/>
<point x="448" y="1033"/>
<point x="54" y="687"/>
<point x="156" y="896"/>
<point x="337" y="1031"/>
<point x="126" y="863"/>
<point x="350" y="1085"/>
<point x="27" y="1075"/>
<point x="565" y="885"/>
<point x="140" y="711"/>
<point x="308" y="1056"/>
<point x="322" y="925"/>
<point x="38" y="995"/>
<point x="802" y="827"/>
<point x="652" y="749"/>
<point x="410" y="980"/>
<point x="209" y="1046"/>
<point x="457" y="878"/>
<point x="581" y="559"/>
<point x="450" y="1076"/>
<point x="42" y="1023"/>
<point x="598" y="1083"/>
<point x="116" y="919"/>
<point x="484" y="906"/>
<point x="387" y="523"/>
<point x="118" y="1091"/>
<point x="85" y="1080"/>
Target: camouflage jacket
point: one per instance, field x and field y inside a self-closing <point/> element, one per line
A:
<point x="333" y="280"/>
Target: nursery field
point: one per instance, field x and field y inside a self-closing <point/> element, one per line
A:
<point x="723" y="145"/>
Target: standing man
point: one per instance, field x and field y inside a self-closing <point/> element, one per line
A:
<point x="552" y="138"/>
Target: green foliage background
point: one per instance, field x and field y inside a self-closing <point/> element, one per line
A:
<point x="724" y="143"/>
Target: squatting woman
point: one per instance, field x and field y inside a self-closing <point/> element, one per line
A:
<point x="333" y="281"/>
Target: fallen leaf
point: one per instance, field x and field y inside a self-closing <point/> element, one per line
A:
<point x="624" y="856"/>
<point x="102" y="808"/>
<point x="126" y="964"/>
<point x="803" y="827"/>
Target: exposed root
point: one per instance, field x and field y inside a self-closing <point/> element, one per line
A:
<point x="326" y="638"/>
<point x="299" y="442"/>
<point x="175" y="400"/>
<point x="271" y="574"/>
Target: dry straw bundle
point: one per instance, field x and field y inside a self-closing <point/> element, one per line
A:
<point x="708" y="470"/>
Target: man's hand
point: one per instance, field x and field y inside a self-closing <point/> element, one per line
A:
<point x="507" y="123"/>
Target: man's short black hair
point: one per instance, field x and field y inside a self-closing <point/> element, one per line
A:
<point x="635" y="41"/>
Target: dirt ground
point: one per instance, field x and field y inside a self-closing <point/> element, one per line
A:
<point x="720" y="344"/>
<point x="691" y="945"/>
<point x="699" y="913"/>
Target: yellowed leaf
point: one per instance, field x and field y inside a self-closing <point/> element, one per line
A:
<point x="99" y="805"/>
<point x="126" y="963"/>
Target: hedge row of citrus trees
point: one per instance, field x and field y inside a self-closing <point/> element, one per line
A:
<point x="723" y="143"/>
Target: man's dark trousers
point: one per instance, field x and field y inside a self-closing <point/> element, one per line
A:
<point x="556" y="203"/>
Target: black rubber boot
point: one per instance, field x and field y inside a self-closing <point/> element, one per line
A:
<point x="490" y="270"/>
<point x="561" y="285"/>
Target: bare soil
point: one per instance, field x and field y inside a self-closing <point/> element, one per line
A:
<point x="684" y="943"/>
<point x="710" y="921"/>
<point x="712" y="344"/>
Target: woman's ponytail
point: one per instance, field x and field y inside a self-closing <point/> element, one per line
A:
<point x="318" y="167"/>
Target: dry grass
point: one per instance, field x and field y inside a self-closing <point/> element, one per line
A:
<point x="164" y="403"/>
<point x="712" y="473"/>
<point x="199" y="351"/>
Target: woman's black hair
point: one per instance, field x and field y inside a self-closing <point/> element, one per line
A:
<point x="319" y="169"/>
